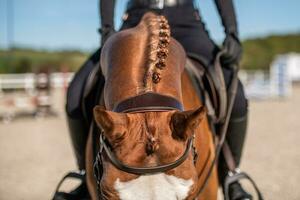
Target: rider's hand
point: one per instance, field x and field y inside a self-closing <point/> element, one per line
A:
<point x="233" y="50"/>
<point x="106" y="32"/>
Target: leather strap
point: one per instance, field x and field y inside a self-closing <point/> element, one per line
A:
<point x="144" y="170"/>
<point x="224" y="126"/>
<point x="149" y="101"/>
<point x="228" y="157"/>
<point x="216" y="75"/>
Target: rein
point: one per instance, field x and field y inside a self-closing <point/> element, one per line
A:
<point x="144" y="170"/>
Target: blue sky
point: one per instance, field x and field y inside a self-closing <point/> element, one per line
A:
<point x="62" y="24"/>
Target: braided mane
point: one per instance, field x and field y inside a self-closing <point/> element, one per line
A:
<point x="142" y="59"/>
<point x="157" y="50"/>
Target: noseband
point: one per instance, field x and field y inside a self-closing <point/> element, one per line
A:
<point x="143" y="170"/>
<point x="147" y="102"/>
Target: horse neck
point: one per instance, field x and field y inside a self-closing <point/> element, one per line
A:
<point x="126" y="64"/>
<point x="128" y="80"/>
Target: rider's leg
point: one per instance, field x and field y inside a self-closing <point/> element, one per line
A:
<point x="198" y="42"/>
<point x="236" y="135"/>
<point x="78" y="125"/>
<point x="237" y="127"/>
<point x="78" y="130"/>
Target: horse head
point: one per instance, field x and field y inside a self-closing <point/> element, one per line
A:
<point x="149" y="139"/>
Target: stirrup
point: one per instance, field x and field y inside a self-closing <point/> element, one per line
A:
<point x="58" y="195"/>
<point x="237" y="192"/>
<point x="235" y="176"/>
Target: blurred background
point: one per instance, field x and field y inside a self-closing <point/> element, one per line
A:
<point x="42" y="44"/>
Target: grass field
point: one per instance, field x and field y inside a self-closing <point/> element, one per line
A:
<point x="28" y="60"/>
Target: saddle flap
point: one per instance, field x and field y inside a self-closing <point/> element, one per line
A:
<point x="211" y="86"/>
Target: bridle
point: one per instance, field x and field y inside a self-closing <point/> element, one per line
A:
<point x="143" y="170"/>
<point x="148" y="102"/>
<point x="155" y="102"/>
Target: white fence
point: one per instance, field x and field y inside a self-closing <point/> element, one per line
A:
<point x="258" y="84"/>
<point x="28" y="81"/>
<point x="20" y="96"/>
<point x="284" y="70"/>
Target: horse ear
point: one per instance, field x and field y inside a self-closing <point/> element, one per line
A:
<point x="183" y="124"/>
<point x="110" y="122"/>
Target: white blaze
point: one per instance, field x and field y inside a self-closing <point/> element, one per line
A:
<point x="154" y="187"/>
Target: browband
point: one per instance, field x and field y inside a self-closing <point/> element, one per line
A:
<point x="149" y="101"/>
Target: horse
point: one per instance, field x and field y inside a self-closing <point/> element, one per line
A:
<point x="155" y="142"/>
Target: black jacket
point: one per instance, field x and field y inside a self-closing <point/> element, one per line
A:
<point x="225" y="8"/>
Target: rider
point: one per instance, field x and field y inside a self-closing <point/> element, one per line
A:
<point x="187" y="28"/>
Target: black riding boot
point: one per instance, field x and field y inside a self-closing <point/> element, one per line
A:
<point x="78" y="133"/>
<point x="235" y="138"/>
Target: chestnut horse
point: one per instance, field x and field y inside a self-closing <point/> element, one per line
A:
<point x="139" y="62"/>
